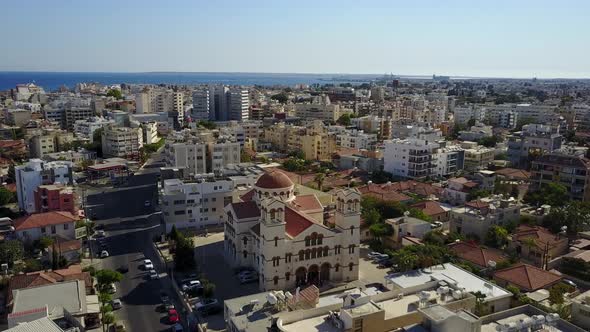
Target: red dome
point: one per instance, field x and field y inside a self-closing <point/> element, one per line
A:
<point x="274" y="180"/>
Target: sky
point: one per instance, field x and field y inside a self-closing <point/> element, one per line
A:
<point x="545" y="39"/>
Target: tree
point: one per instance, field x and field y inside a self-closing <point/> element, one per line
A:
<point x="471" y="122"/>
<point x="11" y="251"/>
<point x="108" y="319"/>
<point x="281" y="97"/>
<point x="208" y="289"/>
<point x="380" y="230"/>
<point x="6" y="196"/>
<point x="207" y="124"/>
<point x="174" y="233"/>
<point x="478" y="193"/>
<point x="381" y="177"/>
<point x="344" y="120"/>
<point x="319" y="180"/>
<point x="489" y="142"/>
<point x="371" y="216"/>
<point x="104" y="279"/>
<point x="575" y="216"/>
<point x="32" y="265"/>
<point x="184" y="256"/>
<point x="436" y="238"/>
<point x="116" y="93"/>
<point x="556" y="293"/>
<point x="496" y="237"/>
<point x="554" y="194"/>
<point x="245" y="157"/>
<point x="421" y="256"/>
<point x="417" y="213"/>
<point x="45" y="242"/>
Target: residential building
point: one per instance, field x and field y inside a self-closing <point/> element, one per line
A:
<point x="223" y="153"/>
<point x="143" y="103"/>
<point x="74" y="112"/>
<point x="49" y="141"/>
<point x="85" y="128"/>
<point x="320" y="109"/>
<point x="435" y="210"/>
<point x="526" y="277"/>
<point x="407" y="226"/>
<point x="356" y="139"/>
<point x="462" y="115"/>
<point x="410" y="158"/>
<point x="201" y="105"/>
<point x="52" y="224"/>
<point x="225" y="103"/>
<point x="502" y="118"/>
<point x="572" y="171"/>
<point x="457" y="190"/>
<point x="284" y="238"/>
<point x="199" y="156"/>
<point x="122" y="142"/>
<point x="476" y="132"/>
<point x="476" y="217"/>
<point x="386" y="192"/>
<point x="17" y="117"/>
<point x="37" y="172"/>
<point x="477" y="157"/>
<point x="533" y="141"/>
<point x="196" y="203"/>
<point x="150" y="132"/>
<point x="479" y="256"/>
<point x="528" y="316"/>
<point x="374" y="125"/>
<point x="581" y="310"/>
<point x="537" y="244"/>
<point x="238" y="104"/>
<point x="450" y="160"/>
<point x="52" y="197"/>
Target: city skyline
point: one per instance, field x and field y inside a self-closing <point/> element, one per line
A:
<point x="523" y="40"/>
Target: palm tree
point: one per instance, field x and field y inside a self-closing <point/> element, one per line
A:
<point x="319" y="179"/>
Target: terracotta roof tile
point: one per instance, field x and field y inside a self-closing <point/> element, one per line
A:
<point x="274" y="180"/>
<point x="296" y="222"/>
<point x="475" y="254"/>
<point x="38" y="220"/>
<point x="478" y="204"/>
<point x="430" y="208"/>
<point x="527" y="277"/>
<point x="306" y="203"/>
<point x="246" y="210"/>
<point x="542" y="236"/>
<point x="248" y="196"/>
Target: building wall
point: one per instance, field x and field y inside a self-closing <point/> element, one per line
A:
<point x="66" y="231"/>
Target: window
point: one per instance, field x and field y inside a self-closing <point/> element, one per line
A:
<point x="351" y="230"/>
<point x="337" y="249"/>
<point x="245" y="253"/>
<point x="320" y="252"/>
<point x="179" y="212"/>
<point x="276" y="241"/>
<point x="214" y="199"/>
<point x="245" y="240"/>
<point x="351" y="249"/>
<point x="53" y="230"/>
<point x="320" y="239"/>
<point x="43" y="230"/>
<point x="180" y="201"/>
<point x="307" y="254"/>
<point x="326" y="251"/>
<point x="301" y="255"/>
<point x="276" y="280"/>
<point x="66" y="226"/>
<point x="313" y="253"/>
<point x="287" y="276"/>
<point x="336" y="267"/>
<point x="307" y="240"/>
<point x="350" y="266"/>
<point x="288" y="258"/>
<point x="313" y="239"/>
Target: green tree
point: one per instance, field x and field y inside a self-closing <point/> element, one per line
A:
<point x="281" y="97"/>
<point x="207" y="124"/>
<point x="489" y="142"/>
<point x="174" y="233"/>
<point x="379" y="230"/>
<point x="245" y="157"/>
<point x="184" y="256"/>
<point x="6" y="196"/>
<point x="208" y="289"/>
<point x="11" y="251"/>
<point x="344" y="120"/>
<point x="319" y="180"/>
<point x="554" y="194"/>
<point x="471" y="122"/>
<point x="575" y="215"/>
<point x="496" y="237"/>
<point x="556" y="293"/>
<point x="107" y="320"/>
<point x="32" y="265"/>
<point x="104" y="279"/>
<point x="371" y="216"/>
<point x="436" y="238"/>
<point x="417" y="213"/>
<point x="116" y="93"/>
<point x="45" y="242"/>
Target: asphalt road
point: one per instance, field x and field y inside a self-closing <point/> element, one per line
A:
<point x="140" y="296"/>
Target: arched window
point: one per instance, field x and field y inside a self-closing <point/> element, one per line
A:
<point x="351" y="230"/>
<point x="273" y="214"/>
<point x="307" y="253"/>
<point x="276" y="280"/>
<point x="287" y="276"/>
<point x="245" y="254"/>
<point x="320" y="239"/>
<point x="307" y="241"/>
<point x="320" y="251"/>
<point x="274" y="193"/>
<point x="313" y="238"/>
<point x="351" y="249"/>
<point x="350" y="266"/>
<point x="326" y="251"/>
<point x="301" y="253"/>
<point x="336" y="267"/>
<point x="276" y="241"/>
<point x="288" y="258"/>
<point x="245" y="240"/>
<point x="313" y="253"/>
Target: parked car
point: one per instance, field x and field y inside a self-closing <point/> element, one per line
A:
<point x="436" y="224"/>
<point x="99" y="233"/>
<point x="248" y="279"/>
<point x="173" y="316"/>
<point x="210" y="310"/>
<point x="386" y="263"/>
<point x="569" y="283"/>
<point x="373" y="255"/>
<point x="191" y="285"/>
<point x="154" y="275"/>
<point x="148" y="265"/>
<point x="204" y="303"/>
<point x="112" y="288"/>
<point x="123" y="269"/>
<point x="116" y="304"/>
<point x="379" y="258"/>
<point x="104" y="254"/>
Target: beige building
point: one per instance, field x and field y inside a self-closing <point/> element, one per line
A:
<point x="320" y="109"/>
<point x="477" y="157"/>
<point x="201" y="156"/>
<point x="49" y="141"/>
<point x="284" y="237"/>
<point x="122" y="142"/>
<point x="314" y="141"/>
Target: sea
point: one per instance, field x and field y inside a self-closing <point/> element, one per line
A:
<point x="52" y="81"/>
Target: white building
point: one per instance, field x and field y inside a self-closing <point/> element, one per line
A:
<point x="197" y="203"/>
<point x="86" y="128"/>
<point x="201" y="104"/>
<point x="284" y="238"/>
<point x="462" y="115"/>
<point x="356" y="139"/>
<point x="476" y="132"/>
<point x="450" y="160"/>
<point x="477" y="217"/>
<point x="410" y="158"/>
<point x="122" y="142"/>
<point x="143" y="103"/>
<point x="150" y="132"/>
<point x="37" y="172"/>
<point x="238" y="104"/>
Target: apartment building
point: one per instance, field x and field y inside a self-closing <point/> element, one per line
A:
<point x="150" y="132"/>
<point x="239" y="104"/>
<point x="450" y="160"/>
<point x="410" y="158"/>
<point x="122" y="142"/>
<point x="199" y="156"/>
<point x="49" y="141"/>
<point x="143" y="102"/>
<point x="85" y="128"/>
<point x="195" y="203"/>
<point x="476" y="217"/>
<point x="534" y="140"/>
<point x="283" y="237"/>
<point x="462" y="115"/>
<point x="356" y="139"/>
<point x="570" y="170"/>
<point x="17" y="117"/>
<point x="375" y="125"/>
<point x="74" y="112"/>
<point x="37" y="172"/>
<point x="320" y="109"/>
<point x="223" y="153"/>
<point x="502" y="118"/>
<point x="201" y="105"/>
<point x="55" y="197"/>
<point x="476" y="132"/>
<point x="477" y="157"/>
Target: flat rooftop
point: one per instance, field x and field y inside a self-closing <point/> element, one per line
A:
<point x="451" y="274"/>
<point x="491" y="327"/>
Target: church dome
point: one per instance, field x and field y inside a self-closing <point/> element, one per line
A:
<point x="274" y="180"/>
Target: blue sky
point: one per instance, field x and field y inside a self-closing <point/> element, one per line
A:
<point x="473" y="38"/>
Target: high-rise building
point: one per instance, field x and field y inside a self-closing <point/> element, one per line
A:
<point x="238" y="104"/>
<point x="224" y="103"/>
<point x="201" y="105"/>
<point x="143" y="104"/>
<point x="122" y="142"/>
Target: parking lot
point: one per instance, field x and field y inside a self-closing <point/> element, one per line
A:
<point x="209" y="256"/>
<point x="369" y="272"/>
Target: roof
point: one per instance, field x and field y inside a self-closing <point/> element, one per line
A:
<point x="40" y="278"/>
<point x="306" y="203"/>
<point x="430" y="208"/>
<point x="475" y="254"/>
<point x="39" y="220"/>
<point x="478" y="204"/>
<point x="527" y="277"/>
<point x="246" y="210"/>
<point x="256" y="229"/>
<point x="411" y="186"/>
<point x="296" y="222"/>
<point x="542" y="236"/>
<point x="44" y="324"/>
<point x="248" y="196"/>
<point x="274" y="180"/>
<point x="69" y="295"/>
<point x="514" y="173"/>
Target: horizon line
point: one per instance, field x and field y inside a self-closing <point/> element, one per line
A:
<point x="299" y="73"/>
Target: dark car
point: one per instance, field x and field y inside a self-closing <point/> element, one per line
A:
<point x="386" y="263"/>
<point x="210" y="310"/>
<point x="123" y="269"/>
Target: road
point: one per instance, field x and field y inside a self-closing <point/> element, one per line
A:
<point x="140" y="296"/>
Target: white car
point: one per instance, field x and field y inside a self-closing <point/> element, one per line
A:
<point x="154" y="275"/>
<point x="104" y="254"/>
<point x="99" y="233"/>
<point x="116" y="304"/>
<point x="191" y="284"/>
<point x="112" y="289"/>
<point x="147" y="264"/>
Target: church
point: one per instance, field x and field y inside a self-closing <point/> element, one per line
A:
<point x="284" y="238"/>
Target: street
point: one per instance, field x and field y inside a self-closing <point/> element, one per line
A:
<point x="140" y="296"/>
